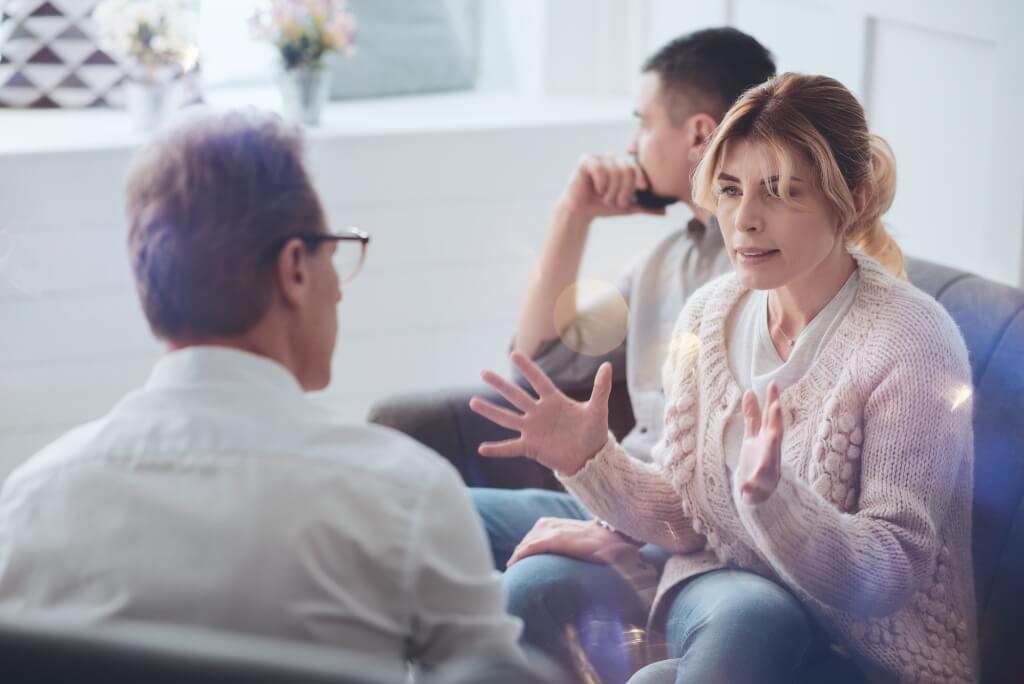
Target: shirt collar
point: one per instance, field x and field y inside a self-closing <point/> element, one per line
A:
<point x="220" y="366"/>
<point x="711" y="233"/>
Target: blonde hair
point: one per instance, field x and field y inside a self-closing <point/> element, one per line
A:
<point x="818" y="117"/>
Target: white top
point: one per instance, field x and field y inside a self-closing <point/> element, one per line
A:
<point x="755" y="362"/>
<point x="220" y="495"/>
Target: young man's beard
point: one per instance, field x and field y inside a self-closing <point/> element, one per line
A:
<point x="648" y="199"/>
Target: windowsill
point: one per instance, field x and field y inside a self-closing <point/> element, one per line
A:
<point x="37" y="131"/>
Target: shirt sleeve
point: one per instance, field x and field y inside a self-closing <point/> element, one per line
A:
<point x="458" y="604"/>
<point x="634" y="497"/>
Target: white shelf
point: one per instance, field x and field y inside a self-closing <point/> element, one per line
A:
<point x="48" y="131"/>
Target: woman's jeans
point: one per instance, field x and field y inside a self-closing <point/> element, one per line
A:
<point x="723" y="626"/>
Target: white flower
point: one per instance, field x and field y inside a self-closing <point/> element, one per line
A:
<point x="150" y="32"/>
<point x="303" y="30"/>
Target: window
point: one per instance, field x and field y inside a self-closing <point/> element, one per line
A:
<point x="230" y="56"/>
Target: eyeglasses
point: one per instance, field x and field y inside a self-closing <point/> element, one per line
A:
<point x="350" y="253"/>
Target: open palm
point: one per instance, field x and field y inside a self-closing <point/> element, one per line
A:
<point x="760" y="464"/>
<point x="554" y="430"/>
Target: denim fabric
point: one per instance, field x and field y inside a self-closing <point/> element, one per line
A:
<point x="574" y="611"/>
<point x="723" y="626"/>
<point x="509" y="514"/>
<point x="732" y="626"/>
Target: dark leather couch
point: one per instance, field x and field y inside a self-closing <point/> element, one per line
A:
<point x="991" y="317"/>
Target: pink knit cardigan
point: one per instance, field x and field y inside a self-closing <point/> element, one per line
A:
<point x="870" y="524"/>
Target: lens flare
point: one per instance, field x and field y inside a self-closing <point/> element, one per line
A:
<point x="960" y="396"/>
<point x="683" y="348"/>
<point x="604" y="326"/>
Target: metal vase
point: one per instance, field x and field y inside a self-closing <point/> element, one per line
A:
<point x="303" y="94"/>
<point x="147" y="102"/>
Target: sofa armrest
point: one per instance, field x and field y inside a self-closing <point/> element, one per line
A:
<point x="443" y="421"/>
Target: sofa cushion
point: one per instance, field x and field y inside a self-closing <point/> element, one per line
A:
<point x="991" y="318"/>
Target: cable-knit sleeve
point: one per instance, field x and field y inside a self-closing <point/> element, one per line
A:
<point x="917" y="437"/>
<point x="636" y="497"/>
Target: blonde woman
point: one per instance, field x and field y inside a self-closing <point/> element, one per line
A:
<point x="814" y="478"/>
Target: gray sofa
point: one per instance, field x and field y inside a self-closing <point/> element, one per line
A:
<point x="991" y="317"/>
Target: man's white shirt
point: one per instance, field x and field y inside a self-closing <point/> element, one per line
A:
<point x="220" y="495"/>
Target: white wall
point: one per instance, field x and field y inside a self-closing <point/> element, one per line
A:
<point x="940" y="80"/>
<point x="456" y="201"/>
<point x="458" y="220"/>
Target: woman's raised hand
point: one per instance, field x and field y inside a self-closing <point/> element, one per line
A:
<point x="760" y="464"/>
<point x="554" y="430"/>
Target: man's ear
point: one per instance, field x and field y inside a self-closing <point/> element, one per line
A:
<point x="290" y="271"/>
<point x="701" y="129"/>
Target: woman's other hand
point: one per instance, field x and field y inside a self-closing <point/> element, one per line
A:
<point x="585" y="540"/>
<point x="760" y="464"/>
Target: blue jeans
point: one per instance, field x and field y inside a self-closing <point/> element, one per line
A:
<point x="723" y="626"/>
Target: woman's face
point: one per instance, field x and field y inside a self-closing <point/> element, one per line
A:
<point x="773" y="243"/>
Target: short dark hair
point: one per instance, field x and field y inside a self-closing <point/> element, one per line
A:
<point x="709" y="69"/>
<point x="207" y="203"/>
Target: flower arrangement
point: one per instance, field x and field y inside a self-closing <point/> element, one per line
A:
<point x="304" y="30"/>
<point x="155" y="35"/>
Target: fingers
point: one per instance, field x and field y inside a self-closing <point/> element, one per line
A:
<point x="751" y="415"/>
<point x="761" y="483"/>
<point x="641" y="182"/>
<point x="615" y="180"/>
<point x="774" y="465"/>
<point x="760" y="487"/>
<point x="602" y="384"/>
<point x="551" y="535"/>
<point x="775" y="420"/>
<point x="618" y="192"/>
<point x="536" y="541"/>
<point x="627" y="184"/>
<point x="510" y="448"/>
<point x="771" y="396"/>
<point x="757" y="488"/>
<point x="597" y="173"/>
<point x="751" y="493"/>
<point x="528" y="547"/>
<point x="612" y="180"/>
<point x="515" y="394"/>
<point x="773" y="416"/>
<point x="590" y="169"/>
<point x="529" y="544"/>
<point x="532" y="372"/>
<point x="496" y="414"/>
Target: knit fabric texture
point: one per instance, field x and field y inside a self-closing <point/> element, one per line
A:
<point x="870" y="524"/>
